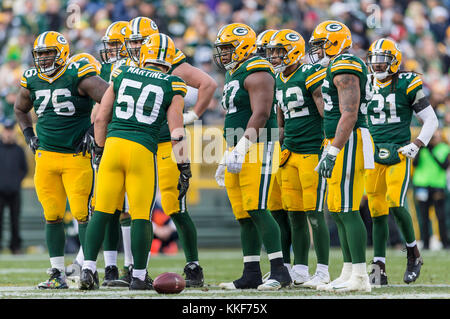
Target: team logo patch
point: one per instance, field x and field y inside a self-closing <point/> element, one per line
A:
<point x="240" y="31"/>
<point x="61" y="39"/>
<point x="292" y="37"/>
<point x="333" y="27"/>
<point x="384" y="153"/>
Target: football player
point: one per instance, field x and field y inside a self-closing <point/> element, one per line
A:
<point x="60" y="93"/>
<point x="345" y="92"/>
<point x="298" y="92"/>
<point x="275" y="204"/>
<point x="137" y="31"/>
<point x="127" y="125"/>
<point x="397" y="96"/>
<point x="252" y="156"/>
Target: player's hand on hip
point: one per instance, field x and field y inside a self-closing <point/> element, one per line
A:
<point x="409" y="150"/>
<point x="234" y="161"/>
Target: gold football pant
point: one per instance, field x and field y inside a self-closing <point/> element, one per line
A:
<point x="386" y="186"/>
<point x="346" y="185"/>
<point x="129" y="167"/>
<point x="60" y="177"/>
<point x="302" y="188"/>
<point x="168" y="175"/>
<point x="275" y="202"/>
<point x="249" y="190"/>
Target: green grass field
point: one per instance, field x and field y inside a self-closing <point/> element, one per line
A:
<point x="20" y="274"/>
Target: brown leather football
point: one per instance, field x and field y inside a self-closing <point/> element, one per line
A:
<point x="169" y="283"/>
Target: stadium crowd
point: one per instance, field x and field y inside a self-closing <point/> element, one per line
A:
<point x="422" y="29"/>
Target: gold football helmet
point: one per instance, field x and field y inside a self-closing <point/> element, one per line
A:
<point x="89" y="58"/>
<point x="158" y="49"/>
<point x="329" y="39"/>
<point x="234" y="43"/>
<point x="262" y="40"/>
<point x="50" y="52"/>
<point x="383" y="53"/>
<point x="286" y="45"/>
<point x="137" y="31"/>
<point x="113" y="43"/>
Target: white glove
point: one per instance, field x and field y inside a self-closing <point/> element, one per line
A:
<point x="234" y="161"/>
<point x="220" y="172"/>
<point x="189" y="117"/>
<point x="409" y="150"/>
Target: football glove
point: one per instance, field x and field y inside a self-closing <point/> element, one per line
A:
<point x="189" y="117"/>
<point x="220" y="172"/>
<point x="98" y="153"/>
<point x="86" y="143"/>
<point x="31" y="139"/>
<point x="183" y="181"/>
<point x="327" y="161"/>
<point x="234" y="161"/>
<point x="409" y="150"/>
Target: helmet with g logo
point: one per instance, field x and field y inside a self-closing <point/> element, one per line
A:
<point x="158" y="49"/>
<point x="237" y="40"/>
<point x="114" y="42"/>
<point x="292" y="47"/>
<point x="46" y="43"/>
<point x="138" y="29"/>
<point x="384" y="51"/>
<point x="262" y="40"/>
<point x="331" y="38"/>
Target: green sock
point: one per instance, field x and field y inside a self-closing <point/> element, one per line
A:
<point x="380" y="235"/>
<point x="346" y="256"/>
<point x="268" y="230"/>
<point x="55" y="238"/>
<point x="82" y="227"/>
<point x="282" y="219"/>
<point x="112" y="233"/>
<point x="300" y="237"/>
<point x="187" y="234"/>
<point x="356" y="235"/>
<point x="141" y="239"/>
<point x="404" y="222"/>
<point x="321" y="236"/>
<point x="95" y="233"/>
<point x="250" y="238"/>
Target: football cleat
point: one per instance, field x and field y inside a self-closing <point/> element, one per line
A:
<point x="249" y="280"/>
<point x="413" y="266"/>
<point x="73" y="270"/>
<point x="319" y="278"/>
<point x="355" y="283"/>
<point x="111" y="274"/>
<point x="88" y="280"/>
<point x="138" y="284"/>
<point x="377" y="276"/>
<point x="57" y="280"/>
<point x="124" y="280"/>
<point x="193" y="275"/>
<point x="298" y="279"/>
<point x="345" y="275"/>
<point x="270" y="284"/>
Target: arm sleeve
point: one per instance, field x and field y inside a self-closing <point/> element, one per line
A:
<point x="430" y="124"/>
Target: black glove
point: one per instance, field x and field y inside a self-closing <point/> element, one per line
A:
<point x="98" y="152"/>
<point x="183" y="181"/>
<point x="86" y="143"/>
<point x="31" y="139"/>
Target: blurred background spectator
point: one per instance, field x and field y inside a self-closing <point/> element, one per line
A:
<point x="421" y="28"/>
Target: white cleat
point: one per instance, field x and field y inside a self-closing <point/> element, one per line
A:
<point x="299" y="279"/>
<point x="355" y="283"/>
<point x="270" y="284"/>
<point x="329" y="287"/>
<point x="319" y="278"/>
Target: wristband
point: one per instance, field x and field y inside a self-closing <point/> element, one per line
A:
<point x="333" y="150"/>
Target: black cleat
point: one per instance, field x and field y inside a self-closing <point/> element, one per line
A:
<point x="414" y="264"/>
<point x="249" y="280"/>
<point x="193" y="275"/>
<point x="137" y="284"/>
<point x="378" y="277"/>
<point x="124" y="280"/>
<point x="281" y="274"/>
<point x="111" y="274"/>
<point x="88" y="280"/>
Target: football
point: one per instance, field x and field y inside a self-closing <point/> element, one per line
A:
<point x="169" y="283"/>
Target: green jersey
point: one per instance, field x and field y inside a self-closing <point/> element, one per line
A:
<point x="342" y="64"/>
<point x="179" y="59"/>
<point x="63" y="114"/>
<point x="390" y="111"/>
<point x="236" y="101"/>
<point x="142" y="99"/>
<point x="108" y="68"/>
<point x="303" y="131"/>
